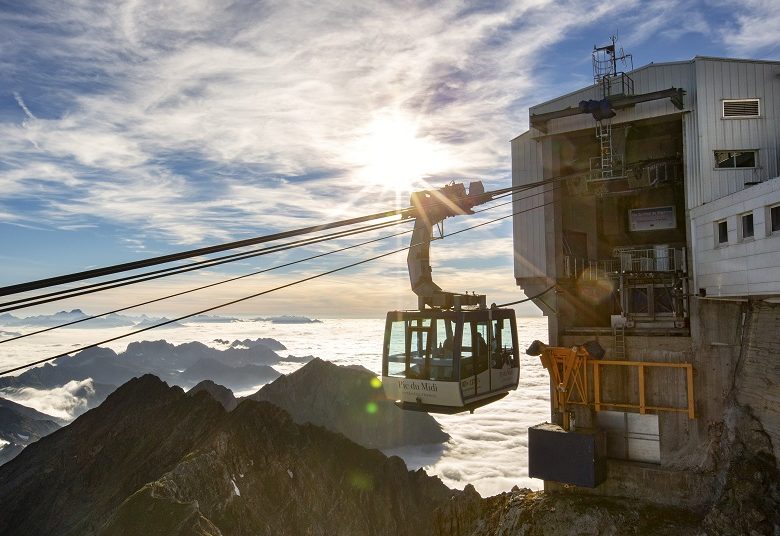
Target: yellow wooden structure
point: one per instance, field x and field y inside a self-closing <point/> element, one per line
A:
<point x="577" y="380"/>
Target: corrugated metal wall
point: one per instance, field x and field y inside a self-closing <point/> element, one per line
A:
<point x="718" y="79"/>
<point x="529" y="225"/>
<point x="707" y="81"/>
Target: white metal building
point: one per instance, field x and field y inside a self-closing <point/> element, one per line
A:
<point x="670" y="160"/>
<point x="656" y="227"/>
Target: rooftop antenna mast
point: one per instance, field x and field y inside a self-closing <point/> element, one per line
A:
<point x="605" y="69"/>
<point x="610" y="82"/>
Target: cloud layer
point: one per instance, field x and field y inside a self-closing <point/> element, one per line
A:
<point x="64" y="402"/>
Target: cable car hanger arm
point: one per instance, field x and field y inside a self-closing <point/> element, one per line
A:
<point x="431" y="207"/>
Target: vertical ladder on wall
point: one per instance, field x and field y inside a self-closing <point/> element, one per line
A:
<point x="604" y="137"/>
<point x="620" y="343"/>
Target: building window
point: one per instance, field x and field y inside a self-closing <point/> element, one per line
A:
<point x="746" y="225"/>
<point x="721" y="233"/>
<point x="773" y="220"/>
<point x="735" y="159"/>
<point x="737" y="108"/>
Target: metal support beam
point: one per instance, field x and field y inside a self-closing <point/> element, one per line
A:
<point x="618" y="102"/>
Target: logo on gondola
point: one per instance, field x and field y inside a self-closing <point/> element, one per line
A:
<point x="419" y="386"/>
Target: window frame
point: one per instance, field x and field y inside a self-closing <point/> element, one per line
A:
<point x="732" y="157"/>
<point x="769" y="230"/>
<point x="718" y="242"/>
<point x="741" y="226"/>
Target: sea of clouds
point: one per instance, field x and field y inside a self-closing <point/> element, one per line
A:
<point x="488" y="449"/>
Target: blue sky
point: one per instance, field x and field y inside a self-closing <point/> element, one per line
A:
<point x="138" y="128"/>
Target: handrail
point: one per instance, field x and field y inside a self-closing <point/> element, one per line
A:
<point x="642" y="406"/>
<point x="569" y="373"/>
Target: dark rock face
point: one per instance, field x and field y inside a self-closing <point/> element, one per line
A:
<point x="220" y="393"/>
<point x="528" y="513"/>
<point x="748" y="498"/>
<point x="348" y="400"/>
<point x="152" y="460"/>
<point x="20" y="426"/>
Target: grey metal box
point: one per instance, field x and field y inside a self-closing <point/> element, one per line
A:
<point x="577" y="458"/>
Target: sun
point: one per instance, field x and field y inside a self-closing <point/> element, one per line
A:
<point x="389" y="152"/>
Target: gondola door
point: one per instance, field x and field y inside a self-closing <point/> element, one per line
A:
<point x="418" y="349"/>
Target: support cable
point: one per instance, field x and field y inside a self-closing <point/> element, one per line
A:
<point x="542" y="293"/>
<point x="251" y="296"/>
<point x="408" y="212"/>
<point x="339" y="234"/>
<point x="163" y="259"/>
<point x="188" y="291"/>
<point x="156" y="274"/>
<point x="41" y="299"/>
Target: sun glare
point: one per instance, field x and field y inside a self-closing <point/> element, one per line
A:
<point x="390" y="153"/>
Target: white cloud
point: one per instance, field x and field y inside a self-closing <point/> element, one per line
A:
<point x="754" y="28"/>
<point x="241" y="91"/>
<point x="64" y="402"/>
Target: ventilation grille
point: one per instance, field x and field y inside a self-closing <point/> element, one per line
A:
<point x="741" y="108"/>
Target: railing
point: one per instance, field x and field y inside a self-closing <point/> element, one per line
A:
<point x="642" y="405"/>
<point x="589" y="269"/>
<point x="656" y="259"/>
<point x="627" y="259"/>
<point x="568" y="368"/>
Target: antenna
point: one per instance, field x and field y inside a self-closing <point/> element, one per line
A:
<point x="610" y="81"/>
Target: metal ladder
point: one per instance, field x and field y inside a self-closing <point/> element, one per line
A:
<point x="604" y="137"/>
<point x="620" y="343"/>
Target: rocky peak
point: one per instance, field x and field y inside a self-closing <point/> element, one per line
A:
<point x="350" y="401"/>
<point x="152" y="460"/>
<point x="220" y="393"/>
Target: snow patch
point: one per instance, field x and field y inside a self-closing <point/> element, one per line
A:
<point x="290" y="473"/>
<point x="23" y="436"/>
<point x="235" y="488"/>
<point x="3" y="443"/>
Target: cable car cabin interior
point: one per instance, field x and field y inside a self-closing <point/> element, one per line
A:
<point x="449" y="361"/>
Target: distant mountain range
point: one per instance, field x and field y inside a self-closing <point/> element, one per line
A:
<point x="64" y="317"/>
<point x="8" y="320"/>
<point x="241" y="366"/>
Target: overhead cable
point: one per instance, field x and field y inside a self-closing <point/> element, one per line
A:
<point x="251" y="296"/>
<point x="542" y="293"/>
<point x="166" y="272"/>
<point x="188" y="291"/>
<point x="408" y="212"/>
<point x="338" y="234"/>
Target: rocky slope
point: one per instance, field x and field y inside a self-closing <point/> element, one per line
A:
<point x="152" y="460"/>
<point x="528" y="513"/>
<point x="220" y="393"/>
<point x="20" y="426"/>
<point x="350" y="401"/>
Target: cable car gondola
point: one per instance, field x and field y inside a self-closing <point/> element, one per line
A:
<point x="450" y="361"/>
<point x="453" y="354"/>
